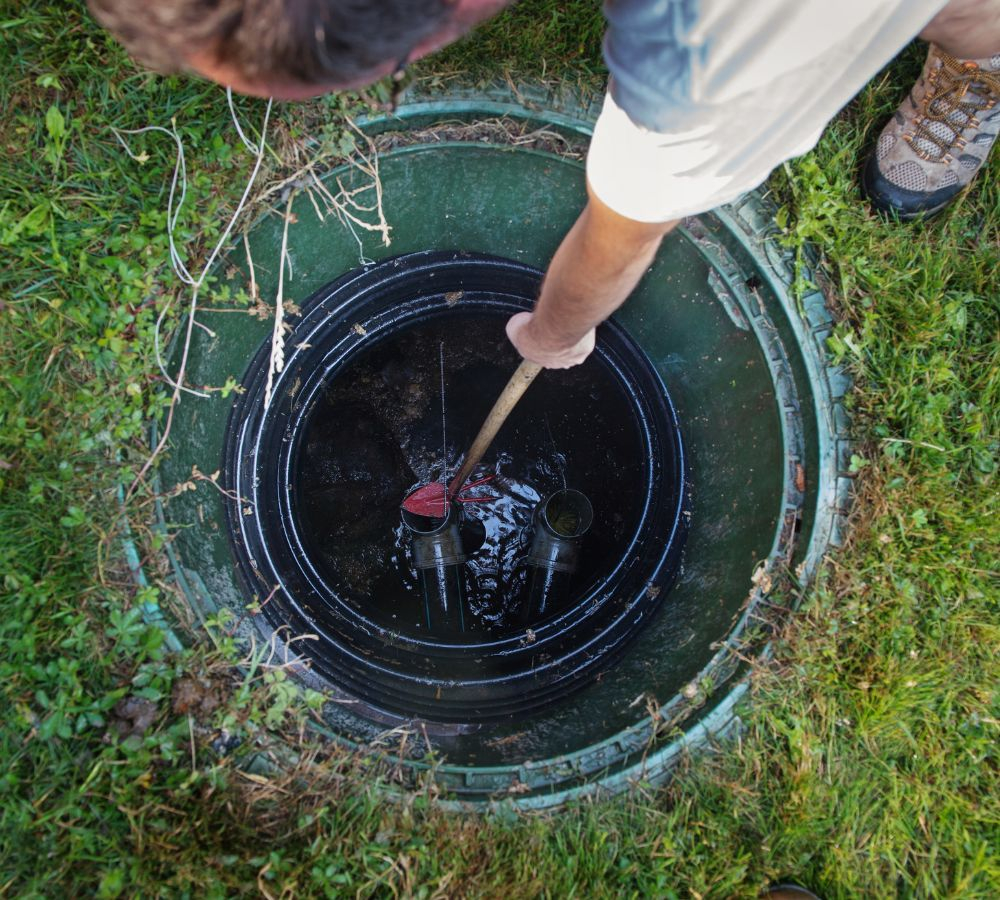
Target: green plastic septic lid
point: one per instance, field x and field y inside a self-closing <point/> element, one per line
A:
<point x="764" y="429"/>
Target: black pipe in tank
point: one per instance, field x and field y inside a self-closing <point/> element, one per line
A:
<point x="560" y="522"/>
<point x="439" y="558"/>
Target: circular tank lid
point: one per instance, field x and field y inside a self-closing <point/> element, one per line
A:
<point x="315" y="478"/>
<point x="765" y="439"/>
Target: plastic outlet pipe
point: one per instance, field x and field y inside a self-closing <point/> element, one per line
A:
<point x="439" y="558"/>
<point x="560" y="522"/>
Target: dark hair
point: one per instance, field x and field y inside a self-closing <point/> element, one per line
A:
<point x="311" y="41"/>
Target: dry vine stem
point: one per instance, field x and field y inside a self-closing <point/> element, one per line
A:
<point x="348" y="210"/>
<point x="184" y="274"/>
<point x="277" y="362"/>
<point x="345" y="205"/>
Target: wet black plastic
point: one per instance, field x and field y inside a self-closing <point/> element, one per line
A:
<point x="475" y="676"/>
<point x="560" y="523"/>
<point x="439" y="558"/>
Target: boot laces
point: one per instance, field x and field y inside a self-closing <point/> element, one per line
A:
<point x="959" y="90"/>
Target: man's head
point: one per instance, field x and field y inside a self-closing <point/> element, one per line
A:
<point x="288" y="48"/>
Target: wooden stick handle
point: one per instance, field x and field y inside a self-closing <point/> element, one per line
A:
<point x="518" y="384"/>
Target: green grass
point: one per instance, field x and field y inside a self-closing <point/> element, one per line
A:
<point x="868" y="765"/>
<point x="535" y="39"/>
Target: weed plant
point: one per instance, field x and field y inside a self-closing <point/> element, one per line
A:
<point x="868" y="762"/>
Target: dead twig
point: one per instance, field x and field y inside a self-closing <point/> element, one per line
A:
<point x="277" y="362"/>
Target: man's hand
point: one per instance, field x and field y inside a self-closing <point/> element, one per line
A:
<point x="594" y="270"/>
<point x="547" y="350"/>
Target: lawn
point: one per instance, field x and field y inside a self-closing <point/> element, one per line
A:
<point x="868" y="765"/>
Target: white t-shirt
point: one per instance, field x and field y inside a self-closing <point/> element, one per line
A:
<point x="708" y="96"/>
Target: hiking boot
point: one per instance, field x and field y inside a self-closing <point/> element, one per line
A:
<point x="939" y="137"/>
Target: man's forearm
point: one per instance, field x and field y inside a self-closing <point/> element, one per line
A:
<point x="593" y="272"/>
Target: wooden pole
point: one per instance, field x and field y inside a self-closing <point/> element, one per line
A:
<point x="519" y="382"/>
